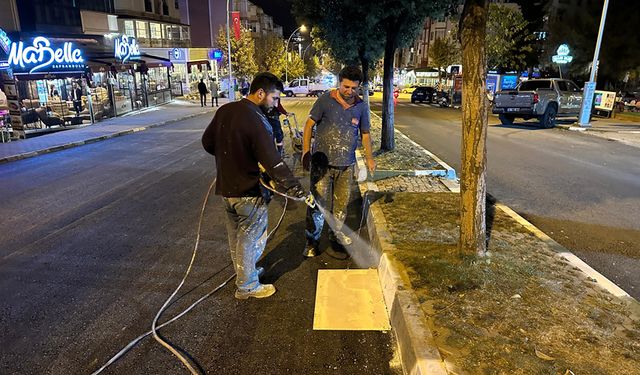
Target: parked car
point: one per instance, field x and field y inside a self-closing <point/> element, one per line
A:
<point x="422" y="94"/>
<point x="378" y="88"/>
<point x="305" y="87"/>
<point x="544" y="99"/>
<point x="410" y="89"/>
<point x="361" y="91"/>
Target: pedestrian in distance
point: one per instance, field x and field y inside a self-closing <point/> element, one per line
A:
<point x="240" y="138"/>
<point x="76" y="97"/>
<point x="202" y="89"/>
<point x="396" y="93"/>
<point x="214" y="91"/>
<point x="340" y="118"/>
<point x="244" y="88"/>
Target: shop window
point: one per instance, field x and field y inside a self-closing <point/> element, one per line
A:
<point x="167" y="32"/>
<point x="141" y="28"/>
<point x="147" y="6"/>
<point x="128" y="29"/>
<point x="156" y="31"/>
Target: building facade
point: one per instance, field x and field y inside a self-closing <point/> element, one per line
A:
<point x="97" y="66"/>
<point x="209" y="16"/>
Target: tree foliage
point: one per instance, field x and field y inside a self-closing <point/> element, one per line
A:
<point x="311" y="65"/>
<point x="362" y="32"/>
<point x="295" y="66"/>
<point x="243" y="60"/>
<point x="444" y="52"/>
<point x="620" y="44"/>
<point x="509" y="39"/>
<point x="270" y="55"/>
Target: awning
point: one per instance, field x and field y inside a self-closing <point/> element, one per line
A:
<point x="101" y="60"/>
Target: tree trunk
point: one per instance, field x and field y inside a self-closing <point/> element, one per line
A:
<point x="365" y="84"/>
<point x="388" y="142"/>
<point x="473" y="189"/>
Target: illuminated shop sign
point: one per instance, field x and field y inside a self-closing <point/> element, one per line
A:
<point x="563" y="55"/>
<point x="215" y="54"/>
<point x="126" y="48"/>
<point x="41" y="55"/>
<point x="5" y="42"/>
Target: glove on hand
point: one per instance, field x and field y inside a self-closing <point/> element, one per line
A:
<point x="297" y="191"/>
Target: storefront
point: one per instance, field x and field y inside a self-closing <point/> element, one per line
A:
<point x="430" y="78"/>
<point x="56" y="83"/>
<point x="189" y="66"/>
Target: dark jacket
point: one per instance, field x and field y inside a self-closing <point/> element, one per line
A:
<point x="202" y="88"/>
<point x="78" y="95"/>
<point x="239" y="137"/>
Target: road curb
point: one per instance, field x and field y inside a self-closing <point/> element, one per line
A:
<point x="65" y="146"/>
<point x="564" y="253"/>
<point x="418" y="351"/>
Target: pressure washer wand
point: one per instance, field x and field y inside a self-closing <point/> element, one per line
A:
<point x="309" y="200"/>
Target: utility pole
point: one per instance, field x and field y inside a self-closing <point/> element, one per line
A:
<point x="590" y="87"/>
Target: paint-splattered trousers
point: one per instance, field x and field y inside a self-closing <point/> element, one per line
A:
<point x="247" y="231"/>
<point x="331" y="186"/>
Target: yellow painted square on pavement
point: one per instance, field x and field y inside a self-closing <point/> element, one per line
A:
<point x="350" y="300"/>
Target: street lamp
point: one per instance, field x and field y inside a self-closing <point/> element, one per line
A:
<point x="302" y="28"/>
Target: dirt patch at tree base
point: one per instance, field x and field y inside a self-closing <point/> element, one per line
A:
<point x="520" y="310"/>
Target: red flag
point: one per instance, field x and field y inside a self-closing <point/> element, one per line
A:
<point x="235" y="17"/>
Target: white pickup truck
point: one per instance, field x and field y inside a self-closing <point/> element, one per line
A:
<point x="544" y="99"/>
<point x="306" y="87"/>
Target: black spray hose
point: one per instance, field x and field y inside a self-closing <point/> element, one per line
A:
<point x="309" y="200"/>
<point x="155" y="327"/>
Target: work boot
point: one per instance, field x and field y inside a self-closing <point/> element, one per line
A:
<point x="310" y="250"/>
<point x="261" y="291"/>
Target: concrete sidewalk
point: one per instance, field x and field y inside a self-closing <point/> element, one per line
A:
<point x="626" y="132"/>
<point x="149" y="118"/>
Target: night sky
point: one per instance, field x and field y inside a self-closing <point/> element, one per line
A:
<point x="280" y="10"/>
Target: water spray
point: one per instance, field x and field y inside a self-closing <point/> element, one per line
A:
<point x="309" y="200"/>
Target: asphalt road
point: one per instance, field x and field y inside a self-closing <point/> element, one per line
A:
<point x="95" y="238"/>
<point x="581" y="190"/>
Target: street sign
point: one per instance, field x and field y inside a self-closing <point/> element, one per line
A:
<point x="604" y="100"/>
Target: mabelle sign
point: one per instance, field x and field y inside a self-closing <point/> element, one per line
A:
<point x="126" y="48"/>
<point x="42" y="56"/>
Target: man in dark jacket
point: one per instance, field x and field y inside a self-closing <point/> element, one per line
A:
<point x="273" y="115"/>
<point x="76" y="97"/>
<point x="202" y="89"/>
<point x="240" y="137"/>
